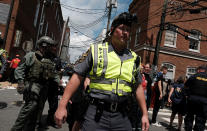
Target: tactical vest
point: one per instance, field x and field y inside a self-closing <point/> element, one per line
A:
<point x="48" y="68"/>
<point x="110" y="75"/>
<point x="41" y="70"/>
<point x="199" y="85"/>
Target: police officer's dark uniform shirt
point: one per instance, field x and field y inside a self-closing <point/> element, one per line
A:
<point x="161" y="78"/>
<point x="85" y="67"/>
<point x="197" y="84"/>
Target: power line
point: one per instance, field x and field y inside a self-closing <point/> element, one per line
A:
<point x="185" y="30"/>
<point x="84" y="12"/>
<point x="81" y="32"/>
<point x="89" y="24"/>
<point x="188" y="20"/>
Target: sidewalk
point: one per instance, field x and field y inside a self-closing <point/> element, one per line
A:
<point x="7" y="85"/>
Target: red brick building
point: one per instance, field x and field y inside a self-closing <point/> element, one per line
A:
<point x="25" y="26"/>
<point x="182" y="56"/>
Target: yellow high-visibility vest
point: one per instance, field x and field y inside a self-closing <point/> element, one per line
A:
<point x="110" y="75"/>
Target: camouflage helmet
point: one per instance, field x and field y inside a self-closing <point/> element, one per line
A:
<point x="46" y="41"/>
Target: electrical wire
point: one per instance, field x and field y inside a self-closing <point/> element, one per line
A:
<point x="80" y="10"/>
<point x="200" y="18"/>
<point x="89" y="24"/>
<point x="84" y="12"/>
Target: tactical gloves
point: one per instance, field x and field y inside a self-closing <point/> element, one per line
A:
<point x="20" y="87"/>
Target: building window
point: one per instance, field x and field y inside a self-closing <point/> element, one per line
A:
<point x="137" y="36"/>
<point x="170" y="71"/>
<point x="42" y="24"/>
<point x="46" y="29"/>
<point x="171" y="36"/>
<point x="190" y="71"/>
<point x="51" y="2"/>
<point x="18" y="38"/>
<point x="56" y="14"/>
<point x="129" y="41"/>
<point x="52" y="35"/>
<point x="194" y="39"/>
<point x="36" y="14"/>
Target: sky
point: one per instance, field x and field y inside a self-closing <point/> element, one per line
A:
<point x="87" y="18"/>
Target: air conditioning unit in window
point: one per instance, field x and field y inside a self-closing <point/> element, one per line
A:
<point x="189" y="37"/>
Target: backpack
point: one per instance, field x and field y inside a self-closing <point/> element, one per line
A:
<point x="177" y="95"/>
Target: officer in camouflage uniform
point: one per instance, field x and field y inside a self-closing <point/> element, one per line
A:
<point x="33" y="72"/>
<point x="50" y="93"/>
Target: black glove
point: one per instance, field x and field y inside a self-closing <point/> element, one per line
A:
<point x="20" y="87"/>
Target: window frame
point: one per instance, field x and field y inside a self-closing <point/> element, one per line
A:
<point x="187" y="71"/>
<point x="174" y="38"/>
<point x="196" y="37"/>
<point x="168" y="70"/>
<point x="129" y="41"/>
<point x="137" y="37"/>
<point x="18" y="38"/>
<point x="36" y="13"/>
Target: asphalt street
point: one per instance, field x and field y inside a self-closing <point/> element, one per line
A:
<point x="11" y="102"/>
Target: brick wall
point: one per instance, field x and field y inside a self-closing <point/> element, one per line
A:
<point x="149" y="15"/>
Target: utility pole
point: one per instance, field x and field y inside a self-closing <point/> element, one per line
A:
<point x="109" y="16"/>
<point x="40" y="23"/>
<point x="62" y="37"/>
<point x="8" y="23"/>
<point x="159" y="37"/>
<point x="110" y="4"/>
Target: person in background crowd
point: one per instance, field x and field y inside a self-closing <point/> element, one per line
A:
<point x="159" y="94"/>
<point x="144" y="81"/>
<point x="3" y="62"/>
<point x="178" y="99"/>
<point x="147" y="71"/>
<point x="78" y="105"/>
<point x="112" y="69"/>
<point x="196" y="87"/>
<point x="136" y="113"/>
<point x="165" y="92"/>
<point x="13" y="65"/>
<point x="33" y="72"/>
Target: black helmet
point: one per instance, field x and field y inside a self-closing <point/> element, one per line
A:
<point x="46" y="41"/>
<point x="124" y="18"/>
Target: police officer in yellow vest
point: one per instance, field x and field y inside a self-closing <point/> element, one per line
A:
<point x="33" y="72"/>
<point x="114" y="73"/>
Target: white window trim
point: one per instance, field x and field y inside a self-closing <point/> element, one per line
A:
<point x="42" y="24"/>
<point x="36" y="13"/>
<point x="175" y="40"/>
<point x="198" y="51"/>
<point x="198" y="47"/>
<point x="138" y="30"/>
<point x="174" y="67"/>
<point x="18" y="38"/>
<point x="46" y="29"/>
<point x="129" y="41"/>
<point x="188" y="72"/>
<point x="56" y="14"/>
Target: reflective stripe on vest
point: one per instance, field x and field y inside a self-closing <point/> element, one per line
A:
<point x="109" y="74"/>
